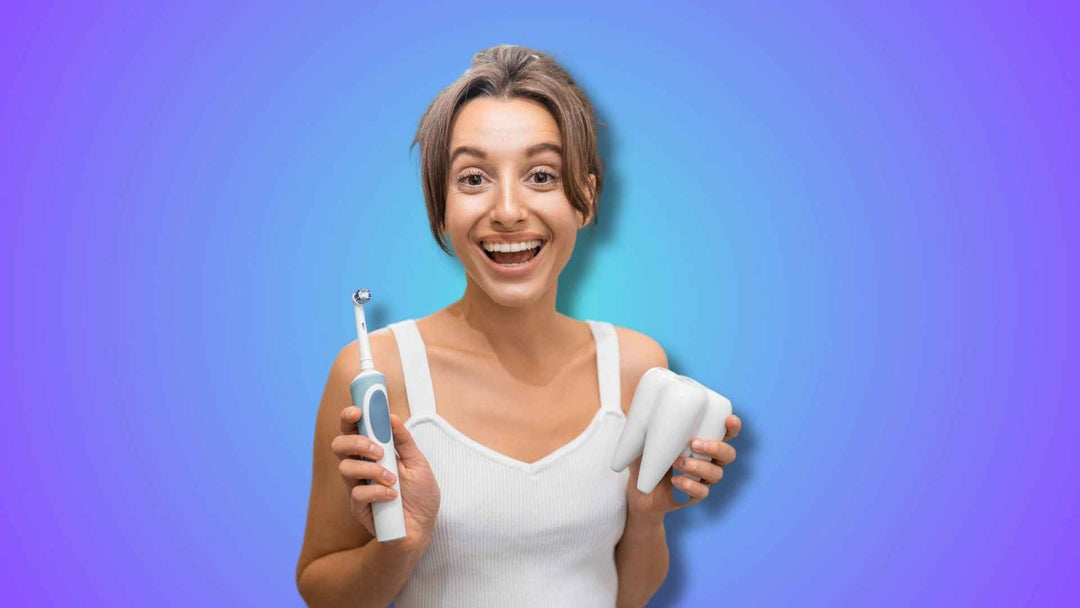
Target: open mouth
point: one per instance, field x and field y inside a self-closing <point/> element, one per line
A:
<point x="514" y="258"/>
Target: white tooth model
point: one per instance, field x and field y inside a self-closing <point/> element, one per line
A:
<point x="666" y="413"/>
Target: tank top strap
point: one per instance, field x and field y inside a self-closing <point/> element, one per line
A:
<point x="607" y="364"/>
<point x="414" y="366"/>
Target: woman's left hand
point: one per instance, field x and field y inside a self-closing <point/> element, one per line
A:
<point x="658" y="502"/>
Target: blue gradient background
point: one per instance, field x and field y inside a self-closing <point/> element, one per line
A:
<point x="855" y="222"/>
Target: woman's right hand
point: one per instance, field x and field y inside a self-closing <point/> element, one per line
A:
<point x="420" y="495"/>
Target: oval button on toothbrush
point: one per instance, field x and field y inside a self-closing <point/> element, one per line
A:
<point x="368" y="391"/>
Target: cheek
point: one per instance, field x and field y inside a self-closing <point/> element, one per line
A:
<point x="564" y="225"/>
<point x="462" y="216"/>
<point x="566" y="248"/>
<point x="564" y="221"/>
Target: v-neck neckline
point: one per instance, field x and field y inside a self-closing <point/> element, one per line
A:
<point x="529" y="467"/>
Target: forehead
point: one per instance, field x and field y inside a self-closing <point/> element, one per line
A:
<point x="498" y="126"/>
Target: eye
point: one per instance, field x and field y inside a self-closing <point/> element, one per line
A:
<point x="550" y="178"/>
<point x="473" y="179"/>
<point x="467" y="181"/>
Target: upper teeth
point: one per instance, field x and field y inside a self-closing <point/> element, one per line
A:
<point x="508" y="247"/>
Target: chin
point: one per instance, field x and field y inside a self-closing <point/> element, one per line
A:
<point x="514" y="296"/>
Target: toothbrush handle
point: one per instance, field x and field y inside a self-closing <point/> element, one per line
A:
<point x="369" y="393"/>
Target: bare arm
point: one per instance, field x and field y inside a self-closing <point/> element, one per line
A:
<point x="339" y="564"/>
<point x="370" y="575"/>
<point x="641" y="558"/>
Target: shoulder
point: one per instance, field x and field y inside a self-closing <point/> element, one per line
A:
<point x="384" y="350"/>
<point x="637" y="353"/>
<point x="329" y="526"/>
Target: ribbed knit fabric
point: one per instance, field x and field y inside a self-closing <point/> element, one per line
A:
<point x="511" y="533"/>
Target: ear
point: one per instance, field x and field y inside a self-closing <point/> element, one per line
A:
<point x="584" y="220"/>
<point x="443" y="233"/>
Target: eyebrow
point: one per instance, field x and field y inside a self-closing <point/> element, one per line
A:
<point x="530" y="151"/>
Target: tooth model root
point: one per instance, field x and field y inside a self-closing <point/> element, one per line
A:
<point x="666" y="412"/>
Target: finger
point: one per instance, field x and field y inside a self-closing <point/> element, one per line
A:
<point x="697" y="490"/>
<point x="356" y="470"/>
<point x="734" y="426"/>
<point x="408" y="451"/>
<point x="708" y="471"/>
<point x="349" y="417"/>
<point x="367" y="494"/>
<point x="352" y="446"/>
<point x="715" y="449"/>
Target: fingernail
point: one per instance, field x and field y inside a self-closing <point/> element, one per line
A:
<point x="376" y="451"/>
<point x="698" y="444"/>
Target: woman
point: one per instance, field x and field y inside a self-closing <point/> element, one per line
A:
<point x="505" y="413"/>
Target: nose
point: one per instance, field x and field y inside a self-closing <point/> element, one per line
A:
<point x="509" y="208"/>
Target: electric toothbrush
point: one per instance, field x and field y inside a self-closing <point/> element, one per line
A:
<point x="368" y="391"/>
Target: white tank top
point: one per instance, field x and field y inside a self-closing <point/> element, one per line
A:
<point x="511" y="533"/>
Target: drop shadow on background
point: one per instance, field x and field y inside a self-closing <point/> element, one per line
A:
<point x="688" y="520"/>
<point x="595" y="234"/>
<point x="376" y="314"/>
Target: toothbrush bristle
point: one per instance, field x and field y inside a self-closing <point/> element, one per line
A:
<point x="362" y="296"/>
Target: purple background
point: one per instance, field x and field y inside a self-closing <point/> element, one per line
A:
<point x="855" y="222"/>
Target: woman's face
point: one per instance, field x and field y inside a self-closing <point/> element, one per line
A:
<point x="505" y="189"/>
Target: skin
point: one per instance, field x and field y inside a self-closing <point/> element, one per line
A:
<point x="528" y="370"/>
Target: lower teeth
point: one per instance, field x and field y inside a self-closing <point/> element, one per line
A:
<point x="514" y="265"/>
<point x="511" y="265"/>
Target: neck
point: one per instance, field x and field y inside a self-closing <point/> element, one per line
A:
<point x="519" y="332"/>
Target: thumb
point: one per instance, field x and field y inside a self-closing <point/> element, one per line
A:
<point x="408" y="452"/>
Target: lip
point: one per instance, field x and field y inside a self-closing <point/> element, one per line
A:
<point x="513" y="238"/>
<point x="513" y="271"/>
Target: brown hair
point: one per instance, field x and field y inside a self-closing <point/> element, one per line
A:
<point x="507" y="71"/>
